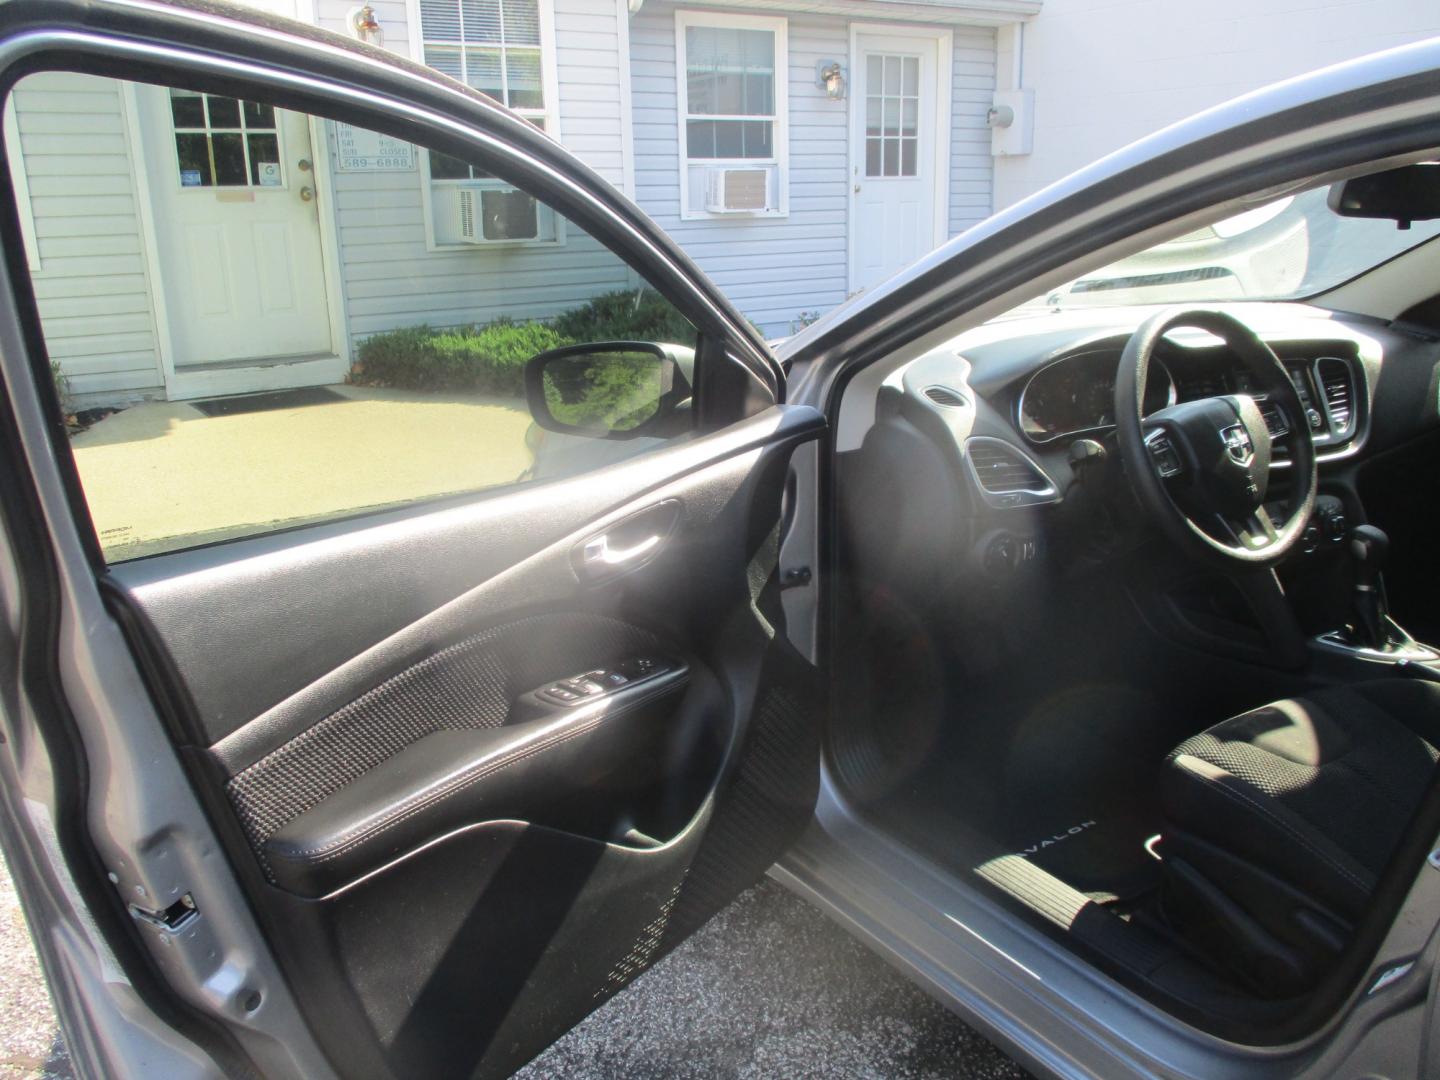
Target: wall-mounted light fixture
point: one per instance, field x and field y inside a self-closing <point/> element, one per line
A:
<point x="830" y="78"/>
<point x="366" y="27"/>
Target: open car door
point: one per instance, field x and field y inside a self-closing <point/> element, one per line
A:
<point x="306" y="785"/>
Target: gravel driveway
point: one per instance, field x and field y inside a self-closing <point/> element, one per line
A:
<point x="768" y="988"/>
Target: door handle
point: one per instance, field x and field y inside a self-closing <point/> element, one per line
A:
<point x="307" y="193"/>
<point x="598" y="552"/>
<point x="627" y="544"/>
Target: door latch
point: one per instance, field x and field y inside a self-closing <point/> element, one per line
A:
<point x="170" y="919"/>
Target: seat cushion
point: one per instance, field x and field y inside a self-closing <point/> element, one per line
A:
<point x="1315" y="790"/>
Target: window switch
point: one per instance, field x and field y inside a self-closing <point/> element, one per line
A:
<point x="612" y="679"/>
<point x="559" y="693"/>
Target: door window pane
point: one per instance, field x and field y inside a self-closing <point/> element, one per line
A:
<point x="224" y="142"/>
<point x="224" y="112"/>
<point x="259" y="116"/>
<point x="271" y="416"/>
<point x="193" y="153"/>
<point x="892" y="115"/>
<point x="187" y="110"/>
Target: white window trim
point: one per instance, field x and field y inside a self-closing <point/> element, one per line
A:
<point x="781" y="135"/>
<point x="20" y="181"/>
<point x="549" y="81"/>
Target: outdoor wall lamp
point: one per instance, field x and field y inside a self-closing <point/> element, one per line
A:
<point x="829" y="76"/>
<point x="366" y="26"/>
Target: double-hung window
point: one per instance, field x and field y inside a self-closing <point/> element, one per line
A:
<point x="497" y="47"/>
<point x="732" y="88"/>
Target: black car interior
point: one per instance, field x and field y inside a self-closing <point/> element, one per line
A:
<point x="1071" y="546"/>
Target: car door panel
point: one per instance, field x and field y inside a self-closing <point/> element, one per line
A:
<point x="468" y="866"/>
<point x="426" y="571"/>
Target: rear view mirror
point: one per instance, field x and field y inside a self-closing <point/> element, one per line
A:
<point x="610" y="389"/>
<point x="1409" y="193"/>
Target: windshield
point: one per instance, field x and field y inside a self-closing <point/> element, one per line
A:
<point x="1293" y="247"/>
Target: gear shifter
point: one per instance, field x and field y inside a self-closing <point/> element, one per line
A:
<point x="1368" y="547"/>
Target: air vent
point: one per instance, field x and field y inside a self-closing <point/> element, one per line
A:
<point x="943" y="395"/>
<point x="1338" y="387"/>
<point x="1005" y="475"/>
<point x="1147" y="281"/>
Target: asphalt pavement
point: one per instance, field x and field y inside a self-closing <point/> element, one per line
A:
<point x="769" y="988"/>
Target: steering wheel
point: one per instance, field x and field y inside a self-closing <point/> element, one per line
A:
<point x="1202" y="468"/>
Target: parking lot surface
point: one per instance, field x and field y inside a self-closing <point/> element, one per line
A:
<point x="769" y="988"/>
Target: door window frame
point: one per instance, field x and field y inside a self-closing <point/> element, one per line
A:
<point x="944" y="90"/>
<point x="729" y="353"/>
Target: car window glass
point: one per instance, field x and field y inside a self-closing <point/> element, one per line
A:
<point x="258" y="319"/>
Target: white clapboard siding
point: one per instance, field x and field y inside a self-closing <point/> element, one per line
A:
<point x="773" y="268"/>
<point x="587" y="65"/>
<point x="389" y="277"/>
<point x="392" y="280"/>
<point x="778" y="269"/>
<point x="91" y="284"/>
<point x="971" y="166"/>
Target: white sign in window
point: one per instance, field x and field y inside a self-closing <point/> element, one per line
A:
<point x="360" y="150"/>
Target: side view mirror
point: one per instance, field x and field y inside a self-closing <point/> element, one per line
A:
<point x="610" y="389"/>
<point x="1409" y="193"/>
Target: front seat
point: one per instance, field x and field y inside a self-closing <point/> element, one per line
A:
<point x="1281" y="820"/>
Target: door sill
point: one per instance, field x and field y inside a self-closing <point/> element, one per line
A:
<point x="1039" y="1001"/>
<point x="254" y="376"/>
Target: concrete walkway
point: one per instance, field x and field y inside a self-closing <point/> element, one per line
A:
<point x="159" y="473"/>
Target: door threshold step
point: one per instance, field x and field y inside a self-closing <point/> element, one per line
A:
<point x="253" y="362"/>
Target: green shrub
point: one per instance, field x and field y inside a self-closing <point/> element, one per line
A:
<point x="485" y="359"/>
<point x="627" y="315"/>
<point x="491" y="359"/>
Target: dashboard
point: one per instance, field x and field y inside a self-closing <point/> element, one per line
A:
<point x="990" y="422"/>
<point x="987" y="479"/>
<point x="1074" y="395"/>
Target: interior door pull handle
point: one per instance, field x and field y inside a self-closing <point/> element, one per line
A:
<point x="627" y="544"/>
<point x="599" y="553"/>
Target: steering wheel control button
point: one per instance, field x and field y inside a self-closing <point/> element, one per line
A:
<point x="1162" y="452"/>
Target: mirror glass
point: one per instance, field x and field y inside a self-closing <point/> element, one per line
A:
<point x="604" y="390"/>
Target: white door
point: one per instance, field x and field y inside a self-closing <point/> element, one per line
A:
<point x="894" y="153"/>
<point x="237" y="229"/>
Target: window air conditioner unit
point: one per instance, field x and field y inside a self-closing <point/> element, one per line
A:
<point x="737" y="191"/>
<point x="492" y="215"/>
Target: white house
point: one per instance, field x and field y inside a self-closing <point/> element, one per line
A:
<point x="800" y="152"/>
